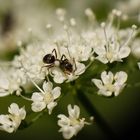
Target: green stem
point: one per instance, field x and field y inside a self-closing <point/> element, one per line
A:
<point x="24" y="124"/>
<point x="106" y="129"/>
<point x="36" y="117"/>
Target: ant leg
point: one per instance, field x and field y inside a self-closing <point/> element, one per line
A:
<point x="48" y="66"/>
<point x="63" y="56"/>
<point x="54" y="50"/>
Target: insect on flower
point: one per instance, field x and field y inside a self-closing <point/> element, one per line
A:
<point x="63" y="63"/>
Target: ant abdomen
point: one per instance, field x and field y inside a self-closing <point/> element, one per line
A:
<point x="66" y="66"/>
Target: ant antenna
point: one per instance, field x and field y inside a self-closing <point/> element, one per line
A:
<point x="57" y="45"/>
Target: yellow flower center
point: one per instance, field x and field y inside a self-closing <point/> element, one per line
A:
<point x="110" y="87"/>
<point x="109" y="55"/>
<point x="48" y="98"/>
<point x="74" y="121"/>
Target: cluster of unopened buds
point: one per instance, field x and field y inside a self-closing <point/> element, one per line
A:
<point x="63" y="62"/>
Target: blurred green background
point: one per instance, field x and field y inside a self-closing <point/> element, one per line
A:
<point x="122" y="113"/>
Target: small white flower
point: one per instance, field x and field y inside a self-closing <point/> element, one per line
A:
<point x="8" y="82"/>
<point x="6" y="124"/>
<point x="109" y="48"/>
<point x="112" y="52"/>
<point x="111" y="44"/>
<point x="110" y="84"/>
<point x="11" y="122"/>
<point x="71" y="125"/>
<point x="45" y="97"/>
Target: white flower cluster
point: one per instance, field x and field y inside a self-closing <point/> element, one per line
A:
<point x="62" y="58"/>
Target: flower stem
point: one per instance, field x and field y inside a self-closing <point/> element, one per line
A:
<point x="25" y="124"/>
<point x="106" y="129"/>
<point x="37" y="117"/>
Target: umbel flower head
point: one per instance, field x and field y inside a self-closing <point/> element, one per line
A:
<point x="72" y="124"/>
<point x="11" y="122"/>
<point x="110" y="84"/>
<point x="65" y="59"/>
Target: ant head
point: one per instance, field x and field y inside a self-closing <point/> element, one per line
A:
<point x="49" y="59"/>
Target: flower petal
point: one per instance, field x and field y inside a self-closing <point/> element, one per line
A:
<point x="74" y="112"/>
<point x="80" y="68"/>
<point x="37" y="96"/>
<point x="124" y="52"/>
<point x="98" y="83"/>
<point x="119" y="88"/>
<point x="121" y="77"/>
<point x="47" y="86"/>
<point x="101" y="51"/>
<point x="64" y="121"/>
<point x="104" y="93"/>
<point x="107" y="78"/>
<point x="4" y="93"/>
<point x="102" y="59"/>
<point x="59" y="77"/>
<point x="22" y="113"/>
<point x="6" y="124"/>
<point x="14" y="109"/>
<point x="38" y="106"/>
<point x="68" y="132"/>
<point x="50" y="106"/>
<point x="56" y="92"/>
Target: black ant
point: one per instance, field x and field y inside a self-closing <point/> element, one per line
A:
<point x="64" y="64"/>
